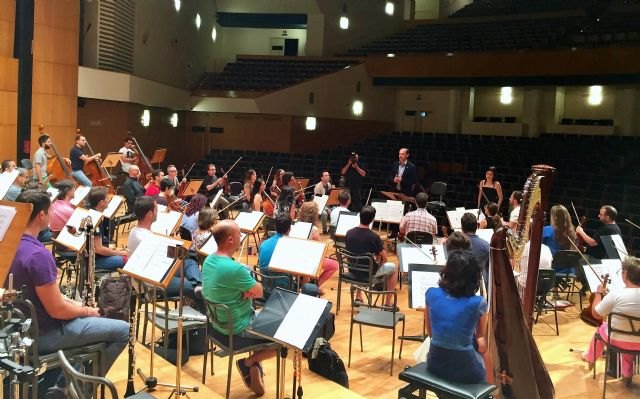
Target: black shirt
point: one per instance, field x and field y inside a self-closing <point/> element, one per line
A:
<point x="353" y="178"/>
<point x="208" y="180"/>
<point x="74" y="156"/>
<point x="362" y="241"/>
<point x="606" y="230"/>
<point x="132" y="190"/>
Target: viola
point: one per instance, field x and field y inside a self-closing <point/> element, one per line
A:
<point x="174" y="203"/>
<point x="268" y="206"/>
<point x="587" y="313"/>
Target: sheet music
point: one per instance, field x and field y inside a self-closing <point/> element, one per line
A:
<point x="53" y="193"/>
<point x="6" y="180"/>
<point x="301" y="319"/>
<point x="113" y="206"/>
<point x="485" y="234"/>
<point x="80" y="194"/>
<point x="249" y="221"/>
<point x="300" y="230"/>
<point x="614" y="268"/>
<point x="455" y="216"/>
<point x="408" y="254"/>
<point x="620" y="247"/>
<point x="7" y="213"/>
<point x="296" y="256"/>
<point x="592" y="279"/>
<point x="321" y="201"/>
<point x="420" y="282"/>
<point x="70" y="240"/>
<point x="209" y="247"/>
<point x="215" y="199"/>
<point x="150" y="260"/>
<point x="346" y="221"/>
<point x="166" y="222"/>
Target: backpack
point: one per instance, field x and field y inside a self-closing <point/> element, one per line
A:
<point x="114" y="297"/>
<point x="326" y="362"/>
<point x="329" y="327"/>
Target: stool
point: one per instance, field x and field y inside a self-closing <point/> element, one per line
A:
<point x="421" y="380"/>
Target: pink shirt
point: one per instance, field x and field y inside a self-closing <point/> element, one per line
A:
<point x="152" y="190"/>
<point x="59" y="214"/>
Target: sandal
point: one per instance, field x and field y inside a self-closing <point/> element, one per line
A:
<point x="245" y="372"/>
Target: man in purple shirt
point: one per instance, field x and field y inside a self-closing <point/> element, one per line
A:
<point x="62" y="323"/>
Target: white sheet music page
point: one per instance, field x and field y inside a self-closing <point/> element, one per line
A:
<point x="454" y="219"/>
<point x="410" y="254"/>
<point x="485" y="234"/>
<point x="215" y="199"/>
<point x="300" y="230"/>
<point x="301" y="319"/>
<point x="150" y="260"/>
<point x="601" y="269"/>
<point x="346" y="222"/>
<point x="166" y="222"/>
<point x="614" y="268"/>
<point x="6" y="180"/>
<point x="249" y="221"/>
<point x="420" y="282"/>
<point x="395" y="211"/>
<point x="382" y="209"/>
<point x="7" y="213"/>
<point x="53" y="192"/>
<point x="209" y="247"/>
<point x="296" y="256"/>
<point x="113" y="206"/>
<point x="321" y="201"/>
<point x="622" y="250"/>
<point x="77" y="242"/>
<point x="79" y="195"/>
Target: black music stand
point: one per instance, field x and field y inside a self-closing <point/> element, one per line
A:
<point x="417" y="283"/>
<point x="614" y="247"/>
<point x="278" y="310"/>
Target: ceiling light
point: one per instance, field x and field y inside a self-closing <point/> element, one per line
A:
<point x="177" y="4"/>
<point x="214" y="34"/>
<point x="390" y="55"/>
<point x="344" y="22"/>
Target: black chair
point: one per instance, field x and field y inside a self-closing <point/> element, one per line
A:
<point x="26" y="164"/>
<point x="421" y="380"/>
<point x="226" y="347"/>
<point x="372" y="315"/>
<point x="633" y="330"/>
<point x="351" y="266"/>
<point x="567" y="282"/>
<point x="437" y="189"/>
<point x="546" y="282"/>
<point x="420" y="237"/>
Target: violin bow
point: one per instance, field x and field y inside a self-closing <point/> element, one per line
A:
<point x="575" y="213"/>
<point x="232" y="166"/>
<point x="585" y="259"/>
<point x="189" y="171"/>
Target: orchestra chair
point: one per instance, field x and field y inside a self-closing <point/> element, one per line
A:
<point x="225" y="347"/>
<point x="26" y="164"/>
<point x="421" y="380"/>
<point x="235" y="190"/>
<point x="348" y="263"/>
<point x="567" y="282"/>
<point x="546" y="282"/>
<point x="632" y="331"/>
<point x="116" y="221"/>
<point x="420" y="237"/>
<point x="373" y="315"/>
<point x="438" y="208"/>
<point x="270" y="282"/>
<point x="76" y="381"/>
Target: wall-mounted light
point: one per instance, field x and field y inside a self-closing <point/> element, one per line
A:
<point x="595" y="95"/>
<point x="390" y="55"/>
<point x="174" y="119"/>
<point x="389" y="8"/>
<point x="310" y="123"/>
<point x="198" y="21"/>
<point x="214" y="33"/>
<point x="344" y="20"/>
<point x="506" y="95"/>
<point x="146" y="118"/>
<point x="357" y="107"/>
<point x="177" y="4"/>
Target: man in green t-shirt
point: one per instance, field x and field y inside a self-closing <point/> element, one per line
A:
<point x="228" y="282"/>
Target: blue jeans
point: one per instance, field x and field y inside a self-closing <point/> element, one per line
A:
<point x="112" y="263"/>
<point x="84" y="331"/>
<point x="81" y="178"/>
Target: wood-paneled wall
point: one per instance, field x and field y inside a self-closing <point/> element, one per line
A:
<point x="8" y="81"/>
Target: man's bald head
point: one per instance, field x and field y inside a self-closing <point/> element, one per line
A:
<point x="227" y="235"/>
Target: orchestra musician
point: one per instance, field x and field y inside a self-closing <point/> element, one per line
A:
<point x="79" y="159"/>
<point x="172" y="173"/>
<point x="17" y="186"/>
<point x="129" y="155"/>
<point x="277" y="183"/>
<point x="40" y="158"/>
<point x="106" y="257"/>
<point x="206" y="218"/>
<point x="8" y="165"/>
<point x="63" y="324"/>
<point x="61" y="208"/>
<point x="210" y="187"/>
<point x="489" y="189"/>
<point x="167" y="195"/>
<point x="324" y="187"/>
<point x="132" y="188"/>
<point x="492" y="219"/>
<point x="152" y="188"/>
<point x="285" y="203"/>
<point x="420" y="219"/>
<point x="249" y="181"/>
<point x="191" y="212"/>
<point x="607" y="217"/>
<point x="256" y="194"/>
<point x="344" y="200"/>
<point x="514" y="200"/>
<point x="479" y="247"/>
<point x="559" y="234"/>
<point x="354" y="172"/>
<point x="624" y="301"/>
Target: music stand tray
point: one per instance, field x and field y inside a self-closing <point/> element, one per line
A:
<point x="158" y="156"/>
<point x="390" y="195"/>
<point x="112" y="160"/>
<point x="10" y="242"/>
<point x="333" y="197"/>
<point x="192" y="188"/>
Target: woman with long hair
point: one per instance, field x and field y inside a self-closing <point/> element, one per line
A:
<point x="277" y="184"/>
<point x="309" y="213"/>
<point x="206" y="219"/>
<point x="249" y="180"/>
<point x="456" y="321"/>
<point x="256" y="195"/>
<point x="61" y="209"/>
<point x="559" y="234"/>
<point x="285" y="203"/>
<point x="492" y="219"/>
<point x="190" y="218"/>
<point x="491" y="189"/>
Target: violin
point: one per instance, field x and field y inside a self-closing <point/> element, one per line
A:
<point x="587" y="313"/>
<point x="268" y="206"/>
<point x="175" y="204"/>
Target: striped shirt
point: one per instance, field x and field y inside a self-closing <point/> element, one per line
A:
<point x="419" y="220"/>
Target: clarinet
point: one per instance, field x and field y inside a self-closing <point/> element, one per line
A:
<point x="87" y="226"/>
<point x="133" y="310"/>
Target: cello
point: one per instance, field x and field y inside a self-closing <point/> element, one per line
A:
<point x="57" y="167"/>
<point x="96" y="172"/>
<point x="143" y="163"/>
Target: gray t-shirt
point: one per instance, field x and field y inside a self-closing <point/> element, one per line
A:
<point x="40" y="158"/>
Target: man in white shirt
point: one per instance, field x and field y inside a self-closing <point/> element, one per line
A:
<point x="545" y="261"/>
<point x="344" y="198"/>
<point x="515" y="200"/>
<point x="323" y="188"/>
<point x="128" y="154"/>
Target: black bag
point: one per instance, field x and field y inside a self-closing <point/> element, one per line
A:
<point x="114" y="297"/>
<point x="329" y="327"/>
<point x="326" y="362"/>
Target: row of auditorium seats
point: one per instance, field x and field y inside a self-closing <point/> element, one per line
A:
<point x="495" y="119"/>
<point x="260" y="74"/>
<point x="591" y="170"/>
<point x="481" y="8"/>
<point x="586" y="122"/>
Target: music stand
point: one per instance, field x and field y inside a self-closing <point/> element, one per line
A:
<point x="249" y="223"/>
<point x="152" y="264"/>
<point x="346" y="221"/>
<point x="299" y="257"/>
<point x="111" y="160"/>
<point x="294" y="321"/>
<point x="79" y="195"/>
<point x="158" y="156"/>
<point x="167" y="222"/>
<point x="301" y="230"/>
<point x="16" y="223"/>
<point x="333" y="197"/>
<point x="390" y="195"/>
<point x="6" y="180"/>
<point x="614" y="247"/>
<point x="192" y="188"/>
<point x="321" y="201"/>
<point x="72" y="241"/>
<point x="421" y="277"/>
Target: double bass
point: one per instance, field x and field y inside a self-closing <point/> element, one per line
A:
<point x="142" y="162"/>
<point x="57" y="167"/>
<point x="94" y="170"/>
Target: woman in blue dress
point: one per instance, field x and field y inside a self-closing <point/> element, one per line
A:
<point x="456" y="321"/>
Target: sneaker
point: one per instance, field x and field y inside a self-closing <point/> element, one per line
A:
<point x="56" y="393"/>
<point x="245" y="372"/>
<point x="257" y="379"/>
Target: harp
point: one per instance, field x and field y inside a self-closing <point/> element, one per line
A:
<point x="518" y="367"/>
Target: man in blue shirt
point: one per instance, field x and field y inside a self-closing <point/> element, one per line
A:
<point x="479" y="247"/>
